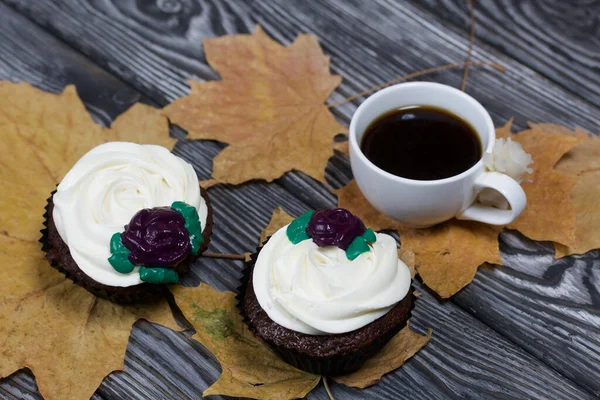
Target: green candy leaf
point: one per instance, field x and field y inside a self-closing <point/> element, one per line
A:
<point x="296" y="231"/>
<point x="369" y="236"/>
<point x="158" y="275"/>
<point x="121" y="263"/>
<point x="119" y="259"/>
<point x="116" y="246"/>
<point x="360" y="244"/>
<point x="192" y="223"/>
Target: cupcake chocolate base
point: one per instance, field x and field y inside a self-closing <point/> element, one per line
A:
<point x="328" y="355"/>
<point x="59" y="257"/>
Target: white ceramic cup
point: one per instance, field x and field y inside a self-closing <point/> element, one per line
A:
<point x="426" y="203"/>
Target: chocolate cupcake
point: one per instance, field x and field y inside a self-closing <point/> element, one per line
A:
<point x="326" y="293"/>
<point x="125" y="220"/>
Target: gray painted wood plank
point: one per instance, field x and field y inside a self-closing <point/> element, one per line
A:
<point x="558" y="39"/>
<point x="447" y="387"/>
<point x="373" y="42"/>
<point x="549" y="307"/>
<point x="27" y="53"/>
<point x="156" y="48"/>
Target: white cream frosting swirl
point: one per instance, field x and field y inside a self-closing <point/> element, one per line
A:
<point x="318" y="290"/>
<point x="105" y="188"/>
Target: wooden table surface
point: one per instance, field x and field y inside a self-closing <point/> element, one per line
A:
<point x="528" y="329"/>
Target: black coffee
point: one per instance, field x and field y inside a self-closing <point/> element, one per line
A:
<point x="422" y="143"/>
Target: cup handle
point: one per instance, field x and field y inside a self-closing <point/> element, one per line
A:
<point x="508" y="188"/>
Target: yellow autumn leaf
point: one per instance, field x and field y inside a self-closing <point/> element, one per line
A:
<point x="583" y="163"/>
<point x="66" y="336"/>
<point x="549" y="214"/>
<point x="250" y="369"/>
<point x="269" y="107"/>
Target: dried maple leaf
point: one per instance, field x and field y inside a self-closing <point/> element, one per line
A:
<point x="279" y="219"/>
<point x="374" y="368"/>
<point x="409" y="259"/>
<point x="583" y="162"/>
<point x="553" y="128"/>
<point x="549" y="214"/>
<point x="66" y="336"/>
<point x="582" y="159"/>
<point x="250" y="369"/>
<point x="342" y="147"/>
<point x="269" y="107"/>
<point x="446" y="256"/>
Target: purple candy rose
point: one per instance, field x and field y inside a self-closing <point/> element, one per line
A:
<point x="334" y="227"/>
<point x="157" y="236"/>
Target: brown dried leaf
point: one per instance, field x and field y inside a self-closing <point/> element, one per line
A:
<point x="557" y="129"/>
<point x="398" y="350"/>
<point x="279" y="219"/>
<point x="50" y="325"/>
<point x="208" y="183"/>
<point x="585" y="197"/>
<point x="250" y="369"/>
<point x="409" y="259"/>
<point x="446" y="256"/>
<point x="583" y="162"/>
<point x="549" y="214"/>
<point x="342" y="147"/>
<point x="582" y="159"/>
<point x="269" y="107"/>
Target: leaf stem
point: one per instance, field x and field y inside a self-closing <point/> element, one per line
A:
<point x="327" y="388"/>
<point x="414" y="75"/>
<point x="224" y="256"/>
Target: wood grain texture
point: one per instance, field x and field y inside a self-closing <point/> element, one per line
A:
<point x="155" y="46"/>
<point x="551" y="308"/>
<point x="373" y="42"/>
<point x="558" y="39"/>
<point x="27" y="53"/>
<point x="162" y="40"/>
